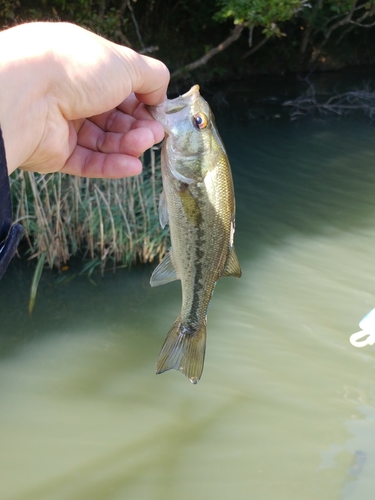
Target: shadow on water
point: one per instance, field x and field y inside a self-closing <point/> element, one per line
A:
<point x="154" y="454"/>
<point x="102" y="302"/>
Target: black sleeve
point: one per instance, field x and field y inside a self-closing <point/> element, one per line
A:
<point x="10" y="234"/>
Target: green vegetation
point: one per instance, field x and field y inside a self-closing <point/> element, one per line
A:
<point x="280" y="35"/>
<point x="254" y="13"/>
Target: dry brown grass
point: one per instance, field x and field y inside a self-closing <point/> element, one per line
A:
<point x="106" y="221"/>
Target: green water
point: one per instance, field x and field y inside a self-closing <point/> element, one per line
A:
<point x="285" y="409"/>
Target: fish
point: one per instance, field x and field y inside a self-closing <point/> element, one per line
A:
<point x="198" y="203"/>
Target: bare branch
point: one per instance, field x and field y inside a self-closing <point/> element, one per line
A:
<point x="213" y="52"/>
<point x="251" y="31"/>
<point x="347" y="19"/>
<point x="309" y="28"/>
<point x="135" y="24"/>
<point x="338" y="104"/>
<point x="358" y="22"/>
<point x="149" y="50"/>
<point x="370" y="25"/>
<point x="257" y="47"/>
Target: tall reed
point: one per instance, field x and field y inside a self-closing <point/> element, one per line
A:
<point x="106" y="221"/>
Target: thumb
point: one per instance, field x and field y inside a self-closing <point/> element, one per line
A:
<point x="97" y="75"/>
<point x="149" y="77"/>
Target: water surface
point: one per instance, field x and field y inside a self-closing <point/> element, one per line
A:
<point x="286" y="406"/>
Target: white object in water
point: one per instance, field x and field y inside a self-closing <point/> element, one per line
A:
<point x="367" y="335"/>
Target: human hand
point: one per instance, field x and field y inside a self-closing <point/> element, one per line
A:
<point x="73" y="102"/>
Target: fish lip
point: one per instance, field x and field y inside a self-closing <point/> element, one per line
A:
<point x="163" y="112"/>
<point x="194" y="91"/>
<point x="183" y="101"/>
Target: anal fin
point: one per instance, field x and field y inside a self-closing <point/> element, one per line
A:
<point x="232" y="267"/>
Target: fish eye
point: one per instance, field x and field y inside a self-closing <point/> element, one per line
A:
<point x="200" y="121"/>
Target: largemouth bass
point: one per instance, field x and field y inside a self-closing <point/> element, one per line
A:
<point x="198" y="204"/>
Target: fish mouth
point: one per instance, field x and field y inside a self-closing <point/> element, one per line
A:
<point x="162" y="112"/>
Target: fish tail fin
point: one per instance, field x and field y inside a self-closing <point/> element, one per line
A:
<point x="183" y="350"/>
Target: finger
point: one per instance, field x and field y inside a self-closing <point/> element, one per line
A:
<point x="156" y="128"/>
<point x="114" y="121"/>
<point x="142" y="136"/>
<point x="142" y="113"/>
<point x="86" y="163"/>
<point x="122" y="118"/>
<point x="130" y="105"/>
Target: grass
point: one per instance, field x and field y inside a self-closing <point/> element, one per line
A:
<point x="107" y="222"/>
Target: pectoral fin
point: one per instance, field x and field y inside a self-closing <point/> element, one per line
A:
<point x="165" y="272"/>
<point x="232" y="267"/>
